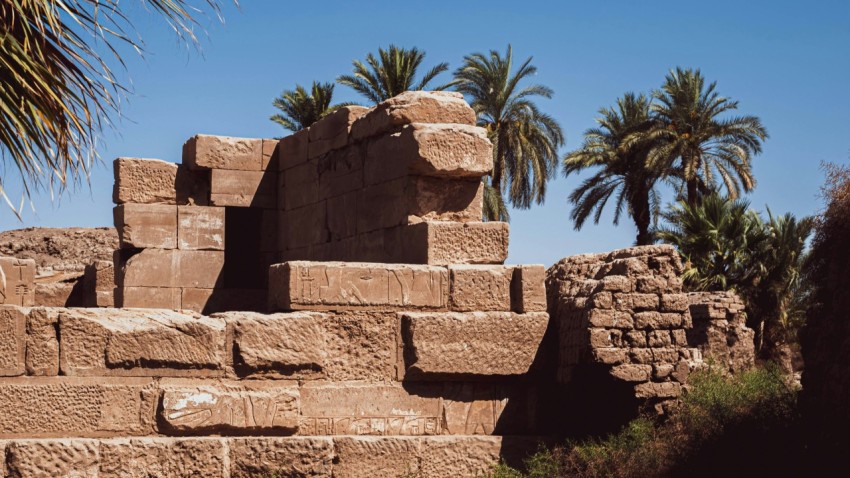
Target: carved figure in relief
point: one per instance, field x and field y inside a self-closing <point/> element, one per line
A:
<point x="194" y="410"/>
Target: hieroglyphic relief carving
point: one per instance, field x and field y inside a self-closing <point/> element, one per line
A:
<point x="316" y="284"/>
<point x="399" y="425"/>
<point x="17" y="278"/>
<point x="191" y="410"/>
<point x="471" y="410"/>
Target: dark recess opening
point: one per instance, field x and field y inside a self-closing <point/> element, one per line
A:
<point x="243" y="265"/>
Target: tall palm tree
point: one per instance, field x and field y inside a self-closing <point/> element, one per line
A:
<point x="623" y="171"/>
<point x="525" y="140"/>
<point x="300" y="109"/>
<point x="691" y="136"/>
<point x="391" y="73"/>
<point x="57" y="92"/>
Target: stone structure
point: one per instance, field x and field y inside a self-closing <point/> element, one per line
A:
<point x="392" y="339"/>
<point x="720" y="330"/>
<point x="17" y="281"/>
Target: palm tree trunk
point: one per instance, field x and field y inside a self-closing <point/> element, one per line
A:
<point x="641" y="216"/>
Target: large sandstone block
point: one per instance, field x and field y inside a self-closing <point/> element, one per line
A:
<point x="448" y="456"/>
<point x="42" y="350"/>
<point x="200" y="228"/>
<point x="17" y="281"/>
<point x="331" y="132"/>
<point x="441" y="199"/>
<point x="376" y="456"/>
<point x="528" y="291"/>
<point x="59" y="294"/>
<point x="13" y="322"/>
<point x="304" y="227"/>
<point x="163" y="457"/>
<point x="268" y="407"/>
<point x="172" y="268"/>
<point x="148" y="298"/>
<point x="413" y="107"/>
<point x="444" y="243"/>
<point x="309" y="346"/>
<point x="77" y="458"/>
<point x="152" y="181"/>
<point x="209" y="301"/>
<point x="140" y="342"/>
<point x="99" y="284"/>
<point x="350" y="285"/>
<point x="438" y="150"/>
<point x="288" y="456"/>
<point x="340" y="171"/>
<point x="292" y="149"/>
<point x="481" y="288"/>
<point x="37" y="407"/>
<point x="243" y="188"/>
<point x="146" y="225"/>
<point x="300" y="185"/>
<point x="223" y="152"/>
<point x="477" y="343"/>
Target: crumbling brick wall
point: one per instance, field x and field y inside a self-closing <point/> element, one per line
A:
<point x="719" y="330"/>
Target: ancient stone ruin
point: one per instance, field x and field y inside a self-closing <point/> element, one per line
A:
<point x="330" y="304"/>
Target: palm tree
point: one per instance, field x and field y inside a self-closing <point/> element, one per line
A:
<point x="525" y="140"/>
<point x="691" y="138"/>
<point x="300" y="109"/>
<point x="57" y="92"/>
<point x="623" y="169"/>
<point x="393" y="72"/>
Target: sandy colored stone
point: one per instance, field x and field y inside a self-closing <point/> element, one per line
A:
<point x="304" y="227"/>
<point x="301" y="185"/>
<point x="144" y="181"/>
<point x="140" y="342"/>
<point x="171" y="268"/>
<point x="331" y="132"/>
<point x="474" y="343"/>
<point x="13" y="322"/>
<point x="440" y="199"/>
<point x="229" y="407"/>
<point x="163" y="457"/>
<point x="450" y="456"/>
<point x="480" y="288"/>
<point x="71" y="458"/>
<point x="42" y="350"/>
<point x="293" y="149"/>
<point x="443" y="243"/>
<point x="99" y="284"/>
<point x="243" y="188"/>
<point x="436" y="150"/>
<point x="200" y="228"/>
<point x="223" y="152"/>
<point x="67" y="293"/>
<point x="414" y="107"/>
<point x="73" y="406"/>
<point x="632" y="372"/>
<point x="17" y="281"/>
<point x="146" y="225"/>
<point x="340" y="171"/>
<point x="288" y="456"/>
<point x="148" y="298"/>
<point x="270" y="155"/>
<point x="376" y="457"/>
<point x="301" y="285"/>
<point x="278" y="343"/>
<point x="528" y="291"/>
<point x="209" y="301"/>
<point x="657" y="390"/>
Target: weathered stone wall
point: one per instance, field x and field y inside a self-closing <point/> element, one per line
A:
<point x="398" y="183"/>
<point x="624" y="313"/>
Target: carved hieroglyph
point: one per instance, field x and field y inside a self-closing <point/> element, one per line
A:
<point x="208" y="408"/>
<point x="316" y="286"/>
<point x="17" y="278"/>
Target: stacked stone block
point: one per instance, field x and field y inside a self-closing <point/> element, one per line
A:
<point x="17" y="281"/>
<point x="720" y="330"/>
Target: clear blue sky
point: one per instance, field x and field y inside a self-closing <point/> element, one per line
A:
<point x="787" y="62"/>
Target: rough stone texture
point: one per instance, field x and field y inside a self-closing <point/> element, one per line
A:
<point x="528" y="290"/>
<point x="291" y="456"/>
<point x="200" y="228"/>
<point x="148" y="298"/>
<point x="99" y="284"/>
<point x="152" y="181"/>
<point x="55" y="458"/>
<point x="331" y="132"/>
<point x="109" y="342"/>
<point x="171" y="268"/>
<point x="343" y="346"/>
<point x="481" y="288"/>
<point x="243" y="188"/>
<point x="340" y="286"/>
<point x="59" y="251"/>
<point x="444" y="243"/>
<point x="223" y="152"/>
<point x="73" y="406"/>
<point x="67" y="293"/>
<point x="163" y="457"/>
<point x="458" y="456"/>
<point x="474" y="343"/>
<point x="13" y="322"/>
<point x="263" y="407"/>
<point x="42" y="350"/>
<point x="146" y="225"/>
<point x="376" y="457"/>
<point x="414" y="107"/>
<point x="17" y="281"/>
<point x="720" y="331"/>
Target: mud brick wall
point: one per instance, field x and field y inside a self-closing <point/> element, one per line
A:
<point x="398" y="183"/>
<point x="432" y="377"/>
<point x="625" y="312"/>
<point x="720" y="331"/>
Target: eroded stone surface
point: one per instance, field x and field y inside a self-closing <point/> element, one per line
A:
<point x="376" y="457"/>
<point x="146" y="225"/>
<point x="144" y="342"/>
<point x="473" y="343"/>
<point x="200" y="228"/>
<point x="481" y="288"/>
<point x="54" y="458"/>
<point x="447" y="457"/>
<point x="528" y="291"/>
<point x="444" y="243"/>
<point x="17" y="281"/>
<point x="13" y="321"/>
<point x="42" y="350"/>
<point x="223" y="152"/>
<point x="290" y="456"/>
<point x="414" y="107"/>
<point x="337" y="285"/>
<point x="163" y="457"/>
